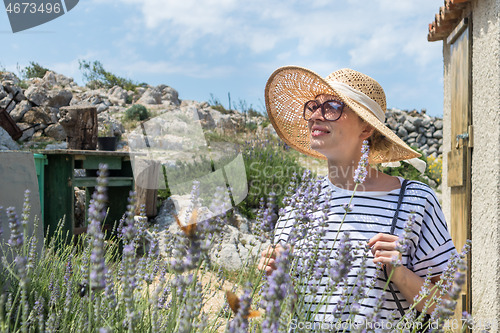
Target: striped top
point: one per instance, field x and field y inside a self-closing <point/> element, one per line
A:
<point x="430" y="242"/>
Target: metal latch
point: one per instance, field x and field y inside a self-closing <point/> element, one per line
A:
<point x="465" y="136"/>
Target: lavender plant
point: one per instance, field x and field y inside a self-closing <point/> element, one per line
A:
<point x="120" y="282"/>
<point x="311" y="290"/>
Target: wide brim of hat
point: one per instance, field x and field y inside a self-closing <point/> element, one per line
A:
<point x="287" y="90"/>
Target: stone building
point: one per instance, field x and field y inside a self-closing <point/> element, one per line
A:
<point x="470" y="32"/>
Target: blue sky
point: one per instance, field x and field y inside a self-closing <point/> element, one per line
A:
<point x="203" y="47"/>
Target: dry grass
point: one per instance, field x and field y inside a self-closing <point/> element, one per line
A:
<point x="214" y="292"/>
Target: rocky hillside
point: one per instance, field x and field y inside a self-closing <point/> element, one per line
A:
<point x="37" y="107"/>
<point x="38" y="103"/>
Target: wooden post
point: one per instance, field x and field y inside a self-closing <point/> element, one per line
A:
<point x="146" y="186"/>
<point x="80" y="124"/>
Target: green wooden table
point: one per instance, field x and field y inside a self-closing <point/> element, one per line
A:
<point x="60" y="181"/>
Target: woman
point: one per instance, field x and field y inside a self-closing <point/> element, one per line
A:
<point x="330" y="118"/>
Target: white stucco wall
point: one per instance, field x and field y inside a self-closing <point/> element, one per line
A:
<point x="486" y="161"/>
<point x="485" y="158"/>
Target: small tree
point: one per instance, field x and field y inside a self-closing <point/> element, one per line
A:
<point x="97" y="77"/>
<point x="137" y="112"/>
<point x="33" y="70"/>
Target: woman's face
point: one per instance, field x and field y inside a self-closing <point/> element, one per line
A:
<point x="338" y="140"/>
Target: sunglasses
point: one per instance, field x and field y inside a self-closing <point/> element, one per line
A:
<point x="331" y="110"/>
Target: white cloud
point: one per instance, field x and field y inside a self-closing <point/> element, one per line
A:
<point x="188" y="69"/>
<point x="356" y="33"/>
<point x="70" y="68"/>
<point x="370" y="32"/>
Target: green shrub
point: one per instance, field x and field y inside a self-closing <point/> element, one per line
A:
<point x="137" y="112"/>
<point x="130" y="99"/>
<point x="33" y="70"/>
<point x="435" y="169"/>
<point x="23" y="84"/>
<point x="251" y="126"/>
<point x="97" y="77"/>
<point x="217" y="105"/>
<point x="269" y="169"/>
<point x="265" y="123"/>
<point x="408" y="171"/>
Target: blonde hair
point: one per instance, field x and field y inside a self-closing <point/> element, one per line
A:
<point x="379" y="146"/>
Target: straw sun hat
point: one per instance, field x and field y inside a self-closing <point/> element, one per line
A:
<point x="290" y="87"/>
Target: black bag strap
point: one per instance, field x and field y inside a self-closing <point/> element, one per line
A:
<point x="393" y="227"/>
<point x="400" y="200"/>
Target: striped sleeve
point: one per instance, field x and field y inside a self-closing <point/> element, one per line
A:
<point x="435" y="247"/>
<point x="284" y="226"/>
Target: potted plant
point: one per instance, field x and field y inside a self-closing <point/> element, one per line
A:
<point x="106" y="140"/>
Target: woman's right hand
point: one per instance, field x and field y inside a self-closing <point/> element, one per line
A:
<point x="268" y="257"/>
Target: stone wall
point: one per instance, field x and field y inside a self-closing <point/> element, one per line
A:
<point x="417" y="129"/>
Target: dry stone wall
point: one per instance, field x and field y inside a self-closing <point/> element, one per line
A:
<point x="418" y="130"/>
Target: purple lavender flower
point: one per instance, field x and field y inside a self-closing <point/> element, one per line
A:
<point x="189" y="298"/>
<point x="129" y="230"/>
<point x="423" y="293"/>
<point x="97" y="213"/>
<point x="54" y="291"/>
<point x="17" y="242"/>
<point x="16" y="239"/>
<point x="26" y="208"/>
<point x="361" y="171"/>
<point x="129" y="283"/>
<point x="279" y="286"/>
<point x="446" y="307"/>
<point x="266" y="217"/>
<point x="32" y="249"/>
<point x="348" y="207"/>
<point x="109" y="291"/>
<point x="68" y="281"/>
<point x="186" y="254"/>
<point x="374" y="315"/>
<point x="359" y="291"/>
<point x="343" y="260"/>
<point x="402" y="245"/>
<point x="39" y="312"/>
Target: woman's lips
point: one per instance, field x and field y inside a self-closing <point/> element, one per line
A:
<point x="318" y="131"/>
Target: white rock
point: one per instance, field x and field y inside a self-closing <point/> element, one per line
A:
<point x="6" y="140"/>
<point x="61" y="145"/>
<point x="8" y="76"/>
<point x="3" y="93"/>
<point x="438" y="134"/>
<point x="152" y="96"/>
<point x="118" y="96"/>
<point x="19" y="111"/>
<point x="55" y="131"/>
<point x="59" y="98"/>
<point x="50" y="78"/>
<point x="36" y="94"/>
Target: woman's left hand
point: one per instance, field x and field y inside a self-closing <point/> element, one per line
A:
<point x="383" y="247"/>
